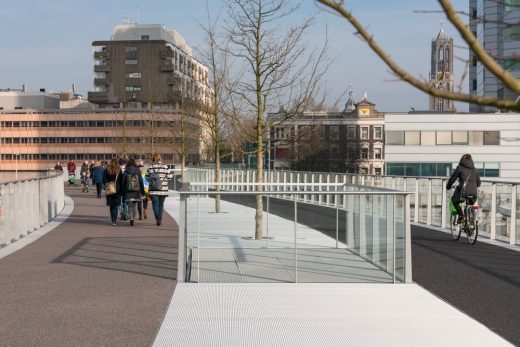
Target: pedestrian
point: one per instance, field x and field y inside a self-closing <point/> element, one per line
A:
<point x="142" y="205"/>
<point x="97" y="174"/>
<point x="133" y="188"/>
<point x="113" y="178"/>
<point x="469" y="180"/>
<point x="90" y="171"/>
<point x="58" y="167"/>
<point x="158" y="194"/>
<point x="71" y="168"/>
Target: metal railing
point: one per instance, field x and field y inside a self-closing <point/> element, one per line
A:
<point x="369" y="224"/>
<point x="28" y="204"/>
<point x="499" y="214"/>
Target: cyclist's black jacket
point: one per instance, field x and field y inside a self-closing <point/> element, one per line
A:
<point x="465" y="169"/>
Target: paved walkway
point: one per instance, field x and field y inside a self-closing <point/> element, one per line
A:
<point x="87" y="283"/>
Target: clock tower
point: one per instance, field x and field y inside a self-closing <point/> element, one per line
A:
<point x="441" y="74"/>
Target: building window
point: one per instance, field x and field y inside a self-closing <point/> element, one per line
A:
<point x="133" y="75"/>
<point x="412" y="138"/>
<point x="130" y="49"/>
<point x="444" y="137"/>
<point x="474" y="84"/>
<point x="351" y="132"/>
<point x="394" y="137"/>
<point x="377" y="153"/>
<point x="334" y="150"/>
<point x="460" y="137"/>
<point x="322" y="133"/>
<point x="491" y="138"/>
<point x="364" y="133"/>
<point x="427" y="138"/>
<point x="378" y="171"/>
<point x="378" y="133"/>
<point x="476" y="138"/>
<point x="334" y="133"/>
<point x="132" y="88"/>
<point x="131" y="62"/>
<point x="512" y="5"/>
<point x="363" y="153"/>
<point x="145" y="37"/>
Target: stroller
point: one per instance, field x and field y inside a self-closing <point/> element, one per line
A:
<point x="72" y="179"/>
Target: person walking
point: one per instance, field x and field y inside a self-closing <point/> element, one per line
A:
<point x="142" y="205"/>
<point x="158" y="194"/>
<point x="71" y="168"/>
<point x="97" y="174"/>
<point x="469" y="181"/>
<point x="58" y="167"/>
<point x="113" y="176"/>
<point x="133" y="188"/>
<point x="91" y="172"/>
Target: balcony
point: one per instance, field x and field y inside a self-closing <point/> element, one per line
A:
<point x="102" y="55"/>
<point x="101" y="68"/>
<point x="98" y="97"/>
<point x="167" y="67"/>
<point x="101" y="82"/>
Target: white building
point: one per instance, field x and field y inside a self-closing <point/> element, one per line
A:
<point x="21" y="100"/>
<point x="431" y="144"/>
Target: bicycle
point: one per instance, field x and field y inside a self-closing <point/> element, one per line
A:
<point x="469" y="223"/>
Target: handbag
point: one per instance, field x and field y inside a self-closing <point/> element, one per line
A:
<point x="110" y="189"/>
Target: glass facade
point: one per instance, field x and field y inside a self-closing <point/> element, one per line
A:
<point x="437" y="169"/>
<point x="432" y="138"/>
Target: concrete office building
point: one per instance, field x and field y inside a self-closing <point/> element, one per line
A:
<point x="495" y="24"/>
<point x="431" y="144"/>
<point x="21" y="100"/>
<point x="149" y="64"/>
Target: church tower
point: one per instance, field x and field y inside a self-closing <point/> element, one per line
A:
<point x="441" y="74"/>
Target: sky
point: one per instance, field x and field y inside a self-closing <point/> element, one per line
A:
<point x="47" y="44"/>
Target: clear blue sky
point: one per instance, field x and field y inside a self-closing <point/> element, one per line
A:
<point x="47" y="44"/>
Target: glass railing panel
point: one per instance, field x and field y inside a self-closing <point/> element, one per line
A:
<point x="437" y="189"/>
<point x="485" y="194"/>
<point x="399" y="183"/>
<point x="410" y="186"/>
<point x="503" y="215"/>
<point x="517" y="221"/>
<point x="400" y="237"/>
<point x="423" y="200"/>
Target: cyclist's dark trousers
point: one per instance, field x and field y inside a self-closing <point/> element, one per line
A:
<point x="457" y="199"/>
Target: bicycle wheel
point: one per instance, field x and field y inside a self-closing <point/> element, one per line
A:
<point x="455" y="229"/>
<point x="472" y="231"/>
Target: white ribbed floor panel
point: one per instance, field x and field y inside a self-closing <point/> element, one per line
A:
<point x="274" y="314"/>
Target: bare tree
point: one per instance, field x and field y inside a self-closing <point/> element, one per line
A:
<point x="489" y="62"/>
<point x="278" y="68"/>
<point x="216" y="59"/>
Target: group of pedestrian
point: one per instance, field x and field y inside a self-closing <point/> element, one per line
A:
<point x="130" y="185"/>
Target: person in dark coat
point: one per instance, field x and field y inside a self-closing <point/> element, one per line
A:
<point x="114" y="173"/>
<point x="97" y="174"/>
<point x="132" y="195"/>
<point x="469" y="181"/>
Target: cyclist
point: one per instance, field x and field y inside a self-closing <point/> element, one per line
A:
<point x="469" y="180"/>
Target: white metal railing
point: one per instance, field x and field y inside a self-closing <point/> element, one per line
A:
<point x="28" y="204"/>
<point x="499" y="200"/>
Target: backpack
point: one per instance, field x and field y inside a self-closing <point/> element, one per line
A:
<point x="154" y="182"/>
<point x="132" y="183"/>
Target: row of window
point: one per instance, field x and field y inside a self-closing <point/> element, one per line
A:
<point x="17" y="140"/>
<point x="75" y="156"/>
<point x="437" y="169"/>
<point x="364" y="132"/>
<point x="83" y="124"/>
<point x="351" y="154"/>
<point x="433" y="138"/>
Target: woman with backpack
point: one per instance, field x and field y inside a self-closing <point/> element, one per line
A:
<point x="112" y="178"/>
<point x="133" y="188"/>
<point x="158" y="176"/>
<point x="469" y="180"/>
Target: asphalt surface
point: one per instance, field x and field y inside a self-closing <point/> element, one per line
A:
<point x="88" y="283"/>
<point x="481" y="280"/>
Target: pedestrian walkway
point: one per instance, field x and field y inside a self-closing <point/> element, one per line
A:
<point x="87" y="283"/>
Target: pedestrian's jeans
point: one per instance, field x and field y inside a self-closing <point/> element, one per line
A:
<point x="158" y="205"/>
<point x="113" y="213"/>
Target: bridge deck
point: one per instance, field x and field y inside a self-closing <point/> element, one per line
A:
<point x="89" y="283"/>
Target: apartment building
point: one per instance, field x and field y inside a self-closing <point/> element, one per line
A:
<point x="149" y="64"/>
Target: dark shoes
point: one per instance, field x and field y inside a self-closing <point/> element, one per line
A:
<point x="159" y="222"/>
<point x="132" y="223"/>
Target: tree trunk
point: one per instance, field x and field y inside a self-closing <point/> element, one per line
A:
<point x="217" y="176"/>
<point x="259" y="217"/>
